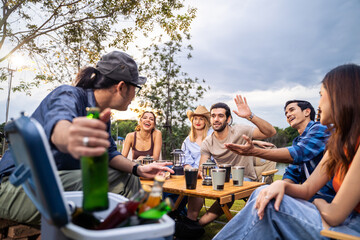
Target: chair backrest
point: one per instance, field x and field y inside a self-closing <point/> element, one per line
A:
<point x="263" y="165"/>
<point x="35" y="169"/>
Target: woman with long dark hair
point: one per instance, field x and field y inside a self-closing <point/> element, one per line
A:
<point x="281" y="210"/>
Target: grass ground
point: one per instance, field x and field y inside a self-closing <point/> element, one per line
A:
<point x="213" y="228"/>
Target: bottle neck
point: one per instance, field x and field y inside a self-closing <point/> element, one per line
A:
<point x="156" y="191"/>
<point x="139" y="197"/>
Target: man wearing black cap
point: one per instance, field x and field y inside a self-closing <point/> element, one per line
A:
<point x="111" y="85"/>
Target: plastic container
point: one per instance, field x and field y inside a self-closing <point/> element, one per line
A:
<point x="71" y="231"/>
<point x="37" y="173"/>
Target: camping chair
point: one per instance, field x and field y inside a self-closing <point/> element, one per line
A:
<point x="265" y="169"/>
<point x="337" y="235"/>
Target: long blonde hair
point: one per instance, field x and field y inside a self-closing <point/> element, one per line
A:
<point x="192" y="134"/>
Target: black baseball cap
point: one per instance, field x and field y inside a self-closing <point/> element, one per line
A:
<point x="121" y="67"/>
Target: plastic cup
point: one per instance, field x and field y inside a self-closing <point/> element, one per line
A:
<point x="191" y="177"/>
<point x="218" y="178"/>
<point x="237" y="173"/>
<point x="227" y="167"/>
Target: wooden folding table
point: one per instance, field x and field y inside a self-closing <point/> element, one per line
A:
<point x="230" y="192"/>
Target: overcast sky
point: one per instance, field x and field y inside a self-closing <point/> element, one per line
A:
<point x="270" y="51"/>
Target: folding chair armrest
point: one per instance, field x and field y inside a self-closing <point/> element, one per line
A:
<point x="270" y="172"/>
<point x="337" y="235"/>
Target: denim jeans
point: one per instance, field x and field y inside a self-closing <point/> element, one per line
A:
<point x="296" y="219"/>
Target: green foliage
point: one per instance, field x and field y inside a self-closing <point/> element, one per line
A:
<point x="170" y="91"/>
<point x="122" y="127"/>
<point x="283" y="137"/>
<point x="2" y="137"/>
<point x="291" y="133"/>
<point x="62" y="36"/>
<point x="2" y="129"/>
<point x="174" y="140"/>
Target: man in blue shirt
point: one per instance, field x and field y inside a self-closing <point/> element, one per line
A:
<point x="62" y="114"/>
<point x="306" y="151"/>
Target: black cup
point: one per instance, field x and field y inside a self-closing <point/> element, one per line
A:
<point x="191" y="177"/>
<point x="227" y="167"/>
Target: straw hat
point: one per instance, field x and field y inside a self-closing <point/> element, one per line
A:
<point x="199" y="111"/>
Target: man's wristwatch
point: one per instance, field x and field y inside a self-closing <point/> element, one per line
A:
<point x="251" y="116"/>
<point x="134" y="170"/>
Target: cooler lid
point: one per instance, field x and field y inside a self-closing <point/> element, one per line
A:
<point x="35" y="169"/>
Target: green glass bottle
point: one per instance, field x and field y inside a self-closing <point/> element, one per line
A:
<point x="95" y="176"/>
<point x="158" y="211"/>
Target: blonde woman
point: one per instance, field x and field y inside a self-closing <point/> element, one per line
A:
<point x="200" y="128"/>
<point x="146" y="140"/>
<point x="189" y="227"/>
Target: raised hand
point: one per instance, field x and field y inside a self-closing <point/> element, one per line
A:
<point x="243" y="109"/>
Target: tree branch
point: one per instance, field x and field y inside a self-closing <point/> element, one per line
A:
<point x="32" y="36"/>
<point x="6" y="14"/>
<point x="33" y="32"/>
<point x="4" y="27"/>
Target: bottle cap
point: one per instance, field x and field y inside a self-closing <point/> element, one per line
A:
<point x="160" y="178"/>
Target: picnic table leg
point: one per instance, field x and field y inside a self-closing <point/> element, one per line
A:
<point x="226" y="210"/>
<point x="178" y="201"/>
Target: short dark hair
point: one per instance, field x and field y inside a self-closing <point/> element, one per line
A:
<point x="224" y="106"/>
<point x="303" y="105"/>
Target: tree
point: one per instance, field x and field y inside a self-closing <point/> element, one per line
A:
<point x="121" y="128"/>
<point x="291" y="133"/>
<point x="63" y="35"/>
<point x="169" y="91"/>
<point x="2" y="137"/>
<point x="283" y="137"/>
